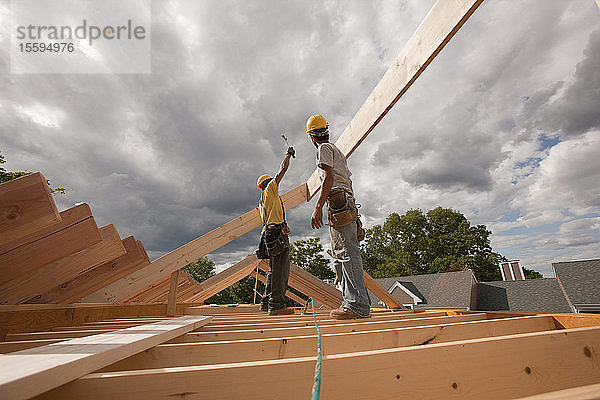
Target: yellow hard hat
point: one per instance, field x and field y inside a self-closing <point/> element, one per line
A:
<point x="317" y="125"/>
<point x="261" y="179"/>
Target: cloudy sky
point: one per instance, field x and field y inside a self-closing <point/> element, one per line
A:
<point x="503" y="126"/>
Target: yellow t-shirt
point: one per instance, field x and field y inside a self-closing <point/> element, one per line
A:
<point x="271" y="205"/>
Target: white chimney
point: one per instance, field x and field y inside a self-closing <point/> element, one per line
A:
<point x="512" y="271"/>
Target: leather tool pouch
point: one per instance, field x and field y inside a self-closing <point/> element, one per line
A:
<point x="340" y="211"/>
<point x="261" y="252"/>
<point x="275" y="241"/>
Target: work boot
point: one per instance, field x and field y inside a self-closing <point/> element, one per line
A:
<point x="344" y="313"/>
<point x="281" y="311"/>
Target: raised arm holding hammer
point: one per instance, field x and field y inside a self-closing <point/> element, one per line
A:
<point x="275" y="239"/>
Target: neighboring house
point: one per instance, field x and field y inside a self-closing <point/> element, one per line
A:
<point x="442" y="290"/>
<point x="533" y="295"/>
<point x="576" y="288"/>
<point x="580" y="281"/>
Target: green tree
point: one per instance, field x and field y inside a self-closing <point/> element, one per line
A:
<point x="203" y="269"/>
<point x="6" y="176"/>
<point x="308" y="254"/>
<point x="531" y="274"/>
<point x="441" y="240"/>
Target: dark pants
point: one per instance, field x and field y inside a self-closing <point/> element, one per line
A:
<point x="277" y="279"/>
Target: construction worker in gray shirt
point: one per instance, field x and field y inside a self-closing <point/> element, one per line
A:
<point x="344" y="225"/>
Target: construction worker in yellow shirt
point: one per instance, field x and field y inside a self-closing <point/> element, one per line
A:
<point x="274" y="240"/>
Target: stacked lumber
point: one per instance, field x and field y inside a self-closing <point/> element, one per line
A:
<point x="51" y="257"/>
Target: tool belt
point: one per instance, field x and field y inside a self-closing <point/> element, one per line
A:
<point x="340" y="211"/>
<point x="275" y="240"/>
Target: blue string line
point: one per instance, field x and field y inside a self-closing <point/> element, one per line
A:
<point x="316" y="390"/>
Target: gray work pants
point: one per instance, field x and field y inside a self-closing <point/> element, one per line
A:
<point x="349" y="268"/>
<point x="277" y="280"/>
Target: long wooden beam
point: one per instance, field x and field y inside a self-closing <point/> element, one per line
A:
<point x="437" y="29"/>
<point x="26" y="205"/>
<point x="196" y="249"/>
<point x="381" y="293"/>
<point x="174" y="355"/>
<point x="439" y="26"/>
<point x="41" y="280"/>
<point x="94" y="279"/>
<point x="27" y="373"/>
<point x="523" y="364"/>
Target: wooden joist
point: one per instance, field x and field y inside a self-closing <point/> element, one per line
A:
<point x="204" y="353"/>
<point x="40" y="317"/>
<point x="41" y="280"/>
<point x="322" y="316"/>
<point x="492" y="368"/>
<point x="354" y="326"/>
<point x="27" y="373"/>
<point x="94" y="279"/>
<point x="26" y="205"/>
<point x="325" y="320"/>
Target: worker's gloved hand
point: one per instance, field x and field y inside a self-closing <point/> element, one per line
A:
<point x="291" y="152"/>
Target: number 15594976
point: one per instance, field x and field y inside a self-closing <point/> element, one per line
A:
<point x="46" y="47"/>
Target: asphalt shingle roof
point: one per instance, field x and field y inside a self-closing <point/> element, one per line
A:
<point x="534" y="295"/>
<point x="448" y="289"/>
<point x="581" y="280"/>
